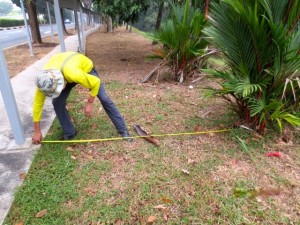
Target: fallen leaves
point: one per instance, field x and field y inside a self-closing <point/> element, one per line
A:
<point x="151" y="219"/>
<point x="22" y="176"/>
<point x="191" y="161"/>
<point x="263" y="192"/>
<point x="19" y="223"/>
<point x="185" y="171"/>
<point x="41" y="213"/>
<point x="197" y="128"/>
<point x="90" y="191"/>
<point x="274" y="154"/>
<point x="70" y="149"/>
<point x="162" y="206"/>
<point x="145" y="135"/>
<point x="166" y="200"/>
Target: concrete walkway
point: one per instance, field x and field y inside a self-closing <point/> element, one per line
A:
<point x="16" y="159"/>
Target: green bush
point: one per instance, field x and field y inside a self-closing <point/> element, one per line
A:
<point x="260" y="40"/>
<point x="182" y="40"/>
<point x="11" y="22"/>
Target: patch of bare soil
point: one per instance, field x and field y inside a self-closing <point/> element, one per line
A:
<point x="117" y="57"/>
<point x="18" y="58"/>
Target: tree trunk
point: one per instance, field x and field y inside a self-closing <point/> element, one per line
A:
<point x="158" y="19"/>
<point x="159" y="15"/>
<point x="109" y="24"/>
<point x="63" y="23"/>
<point x="206" y="8"/>
<point x="33" y="22"/>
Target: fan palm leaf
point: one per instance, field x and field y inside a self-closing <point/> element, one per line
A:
<point x="182" y="37"/>
<point x="260" y="40"/>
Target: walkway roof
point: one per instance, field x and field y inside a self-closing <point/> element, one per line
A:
<point x="72" y="5"/>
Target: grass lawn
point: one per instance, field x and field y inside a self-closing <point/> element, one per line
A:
<point x="213" y="178"/>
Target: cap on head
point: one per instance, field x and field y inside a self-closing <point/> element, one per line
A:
<point x="50" y="82"/>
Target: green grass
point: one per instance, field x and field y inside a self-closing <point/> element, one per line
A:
<point x="193" y="177"/>
<point x="48" y="184"/>
<point x="144" y="34"/>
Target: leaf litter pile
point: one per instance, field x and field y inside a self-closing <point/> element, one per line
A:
<point x="214" y="178"/>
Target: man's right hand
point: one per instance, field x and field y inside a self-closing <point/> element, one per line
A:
<point x="37" y="138"/>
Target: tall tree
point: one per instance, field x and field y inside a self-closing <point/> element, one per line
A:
<point x="121" y="10"/>
<point x="161" y="4"/>
<point x="206" y="8"/>
<point x="33" y="19"/>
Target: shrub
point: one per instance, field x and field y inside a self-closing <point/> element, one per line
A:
<point x="260" y="40"/>
<point x="11" y="22"/>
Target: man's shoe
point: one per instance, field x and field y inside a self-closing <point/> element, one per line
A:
<point x="126" y="136"/>
<point x="70" y="137"/>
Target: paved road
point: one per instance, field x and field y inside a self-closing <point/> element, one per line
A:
<point x="9" y="38"/>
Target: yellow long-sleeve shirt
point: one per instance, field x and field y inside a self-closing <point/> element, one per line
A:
<point x="76" y="70"/>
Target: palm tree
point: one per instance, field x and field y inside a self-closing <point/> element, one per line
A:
<point x="182" y="39"/>
<point x="260" y="40"/>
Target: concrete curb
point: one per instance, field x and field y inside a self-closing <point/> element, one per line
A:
<point x="11" y="28"/>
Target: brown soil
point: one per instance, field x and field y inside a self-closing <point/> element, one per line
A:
<point x="123" y="61"/>
<point x="18" y="58"/>
<point x="115" y="61"/>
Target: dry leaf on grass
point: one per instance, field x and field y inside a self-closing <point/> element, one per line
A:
<point x="159" y="206"/>
<point x="118" y="222"/>
<point x="70" y="149"/>
<point x="143" y="133"/>
<point x="185" y="171"/>
<point x="211" y="134"/>
<point x="191" y="161"/>
<point x="197" y="128"/>
<point x="274" y="154"/>
<point x="269" y="192"/>
<point x="151" y="219"/>
<point x="165" y="216"/>
<point x="41" y="213"/>
<point x="166" y="200"/>
<point x="94" y="126"/>
<point x="87" y="156"/>
<point x="22" y="176"/>
<point x="19" y="223"/>
<point x="90" y="191"/>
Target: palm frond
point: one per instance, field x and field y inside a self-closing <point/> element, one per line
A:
<point x="260" y="40"/>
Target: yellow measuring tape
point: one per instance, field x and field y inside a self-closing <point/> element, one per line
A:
<point x="134" y="137"/>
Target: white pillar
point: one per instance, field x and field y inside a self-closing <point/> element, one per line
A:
<point x="82" y="28"/>
<point x="49" y="18"/>
<point x="27" y="28"/>
<point x="78" y="30"/>
<point x="10" y="102"/>
<point x="59" y="26"/>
